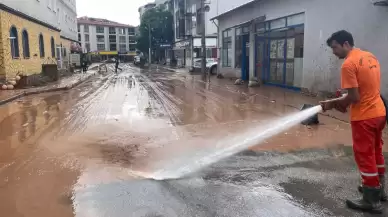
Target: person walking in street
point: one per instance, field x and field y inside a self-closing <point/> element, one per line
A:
<point x="360" y="77"/>
<point x="117" y="64"/>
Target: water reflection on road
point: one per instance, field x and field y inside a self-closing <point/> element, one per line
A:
<point x="86" y="151"/>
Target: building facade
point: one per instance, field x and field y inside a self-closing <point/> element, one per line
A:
<point x="283" y="43"/>
<point x="188" y="27"/>
<point x="34" y="33"/>
<point x="106" y="38"/>
<point x="145" y="8"/>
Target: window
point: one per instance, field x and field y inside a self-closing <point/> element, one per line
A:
<point x="112" y="38"/>
<point x="131" y="31"/>
<point x="113" y="47"/>
<point x="279" y="23"/>
<point x="122" y="39"/>
<point x="86" y="28"/>
<point x="14" y="39"/>
<point x="64" y="52"/>
<point x="132" y="48"/>
<point x="26" y="44"/>
<point x="132" y="39"/>
<point x="79" y="37"/>
<point x="100" y="29"/>
<point x="87" y="38"/>
<point x="295" y="19"/>
<point x="78" y="27"/>
<point x="87" y="46"/>
<point x="52" y="47"/>
<point x="121" y="31"/>
<point x="227" y="48"/>
<point x="112" y="30"/>
<point x="100" y="38"/>
<point x="100" y="47"/>
<point x="41" y="45"/>
<point x="123" y="48"/>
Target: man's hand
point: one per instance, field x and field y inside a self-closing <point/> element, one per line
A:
<point x="340" y="108"/>
<point x="327" y="105"/>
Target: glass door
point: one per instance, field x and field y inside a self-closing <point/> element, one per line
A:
<point x="277" y="62"/>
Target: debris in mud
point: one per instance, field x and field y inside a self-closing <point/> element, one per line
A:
<point x="239" y="82"/>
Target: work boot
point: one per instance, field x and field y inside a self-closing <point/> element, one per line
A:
<point x="370" y="201"/>
<point x="383" y="195"/>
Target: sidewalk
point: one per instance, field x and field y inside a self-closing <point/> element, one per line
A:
<point x="63" y="84"/>
<point x="275" y="94"/>
<point x="279" y="95"/>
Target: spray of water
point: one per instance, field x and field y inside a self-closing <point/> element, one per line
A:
<point x="231" y="145"/>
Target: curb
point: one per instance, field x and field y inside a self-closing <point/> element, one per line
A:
<point x="33" y="92"/>
<point x="295" y="107"/>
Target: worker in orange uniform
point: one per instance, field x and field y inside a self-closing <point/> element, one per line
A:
<point x="360" y="77"/>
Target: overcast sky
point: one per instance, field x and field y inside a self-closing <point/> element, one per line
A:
<point x="122" y="11"/>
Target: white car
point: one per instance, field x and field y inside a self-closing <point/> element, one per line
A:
<point x="211" y="65"/>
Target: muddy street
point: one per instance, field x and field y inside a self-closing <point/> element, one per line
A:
<point x="86" y="152"/>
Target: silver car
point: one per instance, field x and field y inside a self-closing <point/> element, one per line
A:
<point x="211" y="65"/>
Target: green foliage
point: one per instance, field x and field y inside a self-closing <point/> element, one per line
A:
<point x="161" y="23"/>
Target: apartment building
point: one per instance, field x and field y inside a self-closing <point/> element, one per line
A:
<point x="283" y="43"/>
<point x="34" y="33"/>
<point x="106" y="38"/>
<point x="188" y="31"/>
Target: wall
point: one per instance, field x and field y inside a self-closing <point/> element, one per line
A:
<point x="320" y="67"/>
<point x="210" y="42"/>
<point x="30" y="66"/>
<point x="66" y="44"/>
<point x="67" y="18"/>
<point x="53" y="12"/>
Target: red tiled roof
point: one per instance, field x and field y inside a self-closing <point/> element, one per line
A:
<point x="100" y="22"/>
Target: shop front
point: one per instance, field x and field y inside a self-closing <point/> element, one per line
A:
<point x="182" y="52"/>
<point x="279" y="51"/>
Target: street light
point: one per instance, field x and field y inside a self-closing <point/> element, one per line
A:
<point x="204" y="8"/>
<point x="149" y="41"/>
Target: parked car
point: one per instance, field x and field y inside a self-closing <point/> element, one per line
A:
<point x="211" y="65"/>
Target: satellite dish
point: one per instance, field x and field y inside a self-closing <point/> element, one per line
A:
<point x="206" y="8"/>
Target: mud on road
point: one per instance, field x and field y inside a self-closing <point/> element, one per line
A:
<point x="84" y="152"/>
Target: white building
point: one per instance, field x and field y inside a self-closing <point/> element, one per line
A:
<point x="61" y="14"/>
<point x="106" y="37"/>
<point x="283" y="43"/>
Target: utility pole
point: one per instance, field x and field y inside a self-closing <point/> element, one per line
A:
<point x="149" y="49"/>
<point x="203" y="39"/>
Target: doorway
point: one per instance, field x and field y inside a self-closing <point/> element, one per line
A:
<point x="279" y="57"/>
<point x="245" y="58"/>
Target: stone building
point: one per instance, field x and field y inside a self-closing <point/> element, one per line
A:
<point x="33" y="33"/>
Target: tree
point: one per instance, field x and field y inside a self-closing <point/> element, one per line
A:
<point x="161" y="23"/>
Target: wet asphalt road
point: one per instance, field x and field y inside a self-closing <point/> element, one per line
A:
<point x="83" y="152"/>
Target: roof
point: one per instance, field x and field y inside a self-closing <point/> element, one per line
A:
<point x="100" y="22"/>
<point x="232" y="10"/>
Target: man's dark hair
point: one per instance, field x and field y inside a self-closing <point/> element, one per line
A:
<point x="341" y="37"/>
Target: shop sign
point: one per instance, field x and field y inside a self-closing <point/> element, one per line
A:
<point x="182" y="44"/>
<point x="165" y="45"/>
<point x="108" y="52"/>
